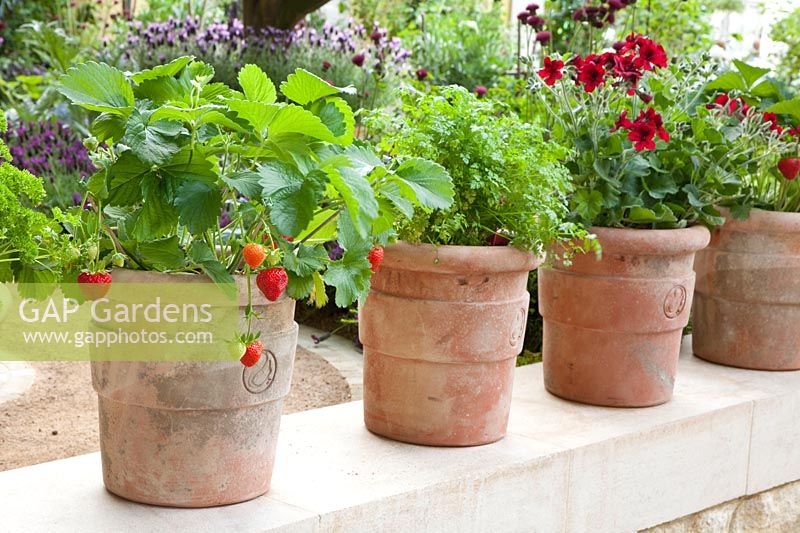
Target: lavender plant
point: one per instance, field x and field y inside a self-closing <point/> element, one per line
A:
<point x="369" y="59"/>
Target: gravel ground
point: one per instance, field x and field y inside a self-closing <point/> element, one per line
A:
<point x="57" y="416"/>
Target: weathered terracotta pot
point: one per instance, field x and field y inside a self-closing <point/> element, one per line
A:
<point x="441" y="329"/>
<point x="747" y="299"/>
<point x="612" y="327"/>
<point x="187" y="434"/>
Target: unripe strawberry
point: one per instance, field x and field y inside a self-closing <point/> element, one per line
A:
<point x="236" y="349"/>
<point x="252" y="353"/>
<point x="375" y="257"/>
<point x="272" y="282"/>
<point x="254" y="255"/>
<point x="118" y="260"/>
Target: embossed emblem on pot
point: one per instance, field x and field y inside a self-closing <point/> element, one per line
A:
<point x="518" y="327"/>
<point x="259" y="377"/>
<point x="675" y="301"/>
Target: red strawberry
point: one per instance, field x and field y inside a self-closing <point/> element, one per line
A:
<point x="272" y="282"/>
<point x="254" y="255"/>
<point x="375" y="257"/>
<point x="252" y="353"/>
<point x="789" y="167"/>
<point x="94" y="286"/>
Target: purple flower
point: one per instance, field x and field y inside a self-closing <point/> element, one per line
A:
<point x="543" y="36"/>
<point x="422" y="74"/>
<point x="77" y="198"/>
<point x="335" y="251"/>
<point x="358" y="60"/>
<point x="480" y="90"/>
<point x="224" y="219"/>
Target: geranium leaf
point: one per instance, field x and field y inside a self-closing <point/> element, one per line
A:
<point x="256" y="85"/>
<point x="98" y="87"/>
<point x="750" y="73"/>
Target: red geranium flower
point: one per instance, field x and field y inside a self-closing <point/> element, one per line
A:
<point x="654" y="119"/>
<point x="772" y="118"/>
<point x="591" y="75"/>
<point x="551" y="72"/>
<point x="623" y="122"/>
<point x="651" y="54"/>
<point x="641" y="135"/>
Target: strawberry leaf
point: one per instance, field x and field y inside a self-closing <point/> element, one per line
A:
<point x="153" y="143"/>
<point x="256" y="85"/>
<point x="350" y="276"/>
<point x="303" y="87"/>
<point x="98" y="87"/>
<point x="430" y="182"/>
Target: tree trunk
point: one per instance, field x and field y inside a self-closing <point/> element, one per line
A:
<point x="277" y="13"/>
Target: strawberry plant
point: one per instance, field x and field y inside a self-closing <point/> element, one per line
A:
<point x="194" y="176"/>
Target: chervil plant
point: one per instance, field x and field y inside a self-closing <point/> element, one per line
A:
<point x="195" y="176"/>
<point x="752" y="113"/>
<point x="645" y="152"/>
<point x="26" y="235"/>
<point x="509" y="184"/>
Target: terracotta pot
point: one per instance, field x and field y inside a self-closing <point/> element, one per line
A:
<point x="441" y="329"/>
<point x="187" y="434"/>
<point x="612" y="327"/>
<point x="747" y="300"/>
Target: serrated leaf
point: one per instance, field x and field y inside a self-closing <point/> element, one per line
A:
<point x="430" y="182"/>
<point x="108" y="127"/>
<point x="305" y="260"/>
<point x="199" y="205"/>
<point x="257" y="114"/>
<point x="358" y="196"/>
<point x="246" y="183"/>
<point x="125" y="180"/>
<point x="183" y="113"/>
<point x="350" y="277"/>
<point x="167" y="70"/>
<point x="157" y="218"/>
<point x="292" y="197"/>
<point x="153" y="143"/>
<point x="338" y="117"/>
<point x="159" y="91"/>
<point x="202" y="256"/>
<point x="294" y="119"/>
<point x="97" y="185"/>
<point x="299" y="287"/>
<point x="162" y="254"/>
<point x="189" y="165"/>
<point x="350" y="239"/>
<point x="303" y="87"/>
<point x="318" y="296"/>
<point x="256" y="85"/>
<point x="97" y="87"/>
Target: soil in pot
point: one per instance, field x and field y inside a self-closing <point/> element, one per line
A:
<point x="613" y="327"/>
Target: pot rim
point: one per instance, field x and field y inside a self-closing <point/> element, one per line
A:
<point x="762" y="220"/>
<point x="458" y="259"/>
<point x="130" y="275"/>
<point x="652" y="241"/>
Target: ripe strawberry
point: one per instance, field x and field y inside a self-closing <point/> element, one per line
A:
<point x="252" y="353"/>
<point x="272" y="282"/>
<point x="254" y="255"/>
<point x="375" y="257"/>
<point x="789" y="167"/>
<point x="94" y="285"/>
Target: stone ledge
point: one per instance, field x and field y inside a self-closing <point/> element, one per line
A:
<point x="563" y="467"/>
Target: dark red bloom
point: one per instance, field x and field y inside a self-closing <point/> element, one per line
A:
<point x="358" y="60"/>
<point x="654" y="119"/>
<point x="772" y="118"/>
<point x="543" y="36"/>
<point x="794" y="132"/>
<point x="326" y="65"/>
<point x="646" y="98"/>
<point x="376" y="36"/>
<point x="615" y="5"/>
<point x="421" y="74"/>
<point x="480" y="90"/>
<point x="591" y="75"/>
<point x="651" y="54"/>
<point x="623" y="122"/>
<point x="578" y="15"/>
<point x="535" y="21"/>
<point x="641" y="135"/>
<point x="551" y="72"/>
<point x="522" y="16"/>
<point x="532" y="7"/>
<point x="618" y="45"/>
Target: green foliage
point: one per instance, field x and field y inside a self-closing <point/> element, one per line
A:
<point x="24" y="232"/>
<point x="787" y="31"/>
<point x="183" y="151"/>
<point x="759" y="142"/>
<point x="507" y="179"/>
<point x="461" y="45"/>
